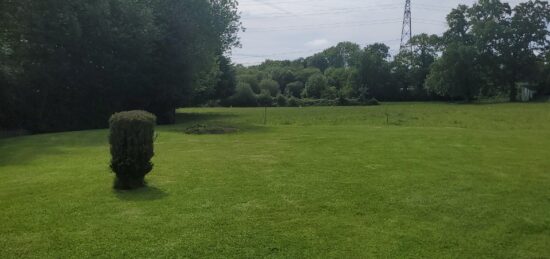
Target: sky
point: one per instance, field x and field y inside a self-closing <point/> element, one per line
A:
<point x="289" y="29"/>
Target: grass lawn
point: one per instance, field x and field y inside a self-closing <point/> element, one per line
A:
<point x="428" y="180"/>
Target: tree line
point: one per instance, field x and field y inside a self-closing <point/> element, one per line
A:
<point x="489" y="50"/>
<point x="69" y="65"/>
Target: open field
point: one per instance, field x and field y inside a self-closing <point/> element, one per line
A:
<point x="428" y="180"/>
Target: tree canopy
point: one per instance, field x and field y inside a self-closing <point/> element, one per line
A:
<point x="69" y="65"/>
<point x="488" y="50"/>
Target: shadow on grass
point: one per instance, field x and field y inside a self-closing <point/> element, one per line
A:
<point x="193" y="117"/>
<point x="148" y="193"/>
<point x="187" y="120"/>
<point x="25" y="149"/>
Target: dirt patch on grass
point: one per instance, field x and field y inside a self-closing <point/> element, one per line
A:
<point x="202" y="129"/>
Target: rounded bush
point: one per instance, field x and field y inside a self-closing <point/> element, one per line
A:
<point x="265" y="99"/>
<point x="131" y="138"/>
<point x="295" y="88"/>
<point x="293" y="102"/>
<point x="281" y="100"/>
<point x="244" y="96"/>
<point x="315" y="86"/>
<point x="271" y="86"/>
<point x="372" y="102"/>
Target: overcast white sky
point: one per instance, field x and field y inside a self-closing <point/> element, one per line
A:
<point x="289" y="29"/>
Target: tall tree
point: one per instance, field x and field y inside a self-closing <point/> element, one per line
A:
<point x="227" y="82"/>
<point x="459" y="26"/>
<point x="526" y="37"/>
<point x="508" y="40"/>
<point x="410" y="69"/>
<point x="344" y="54"/>
<point x="488" y="22"/>
<point x="545" y="81"/>
<point x="283" y="76"/>
<point x="319" y="61"/>
<point x="315" y="86"/>
<point x="456" y="74"/>
<point x="374" y="73"/>
<point x="73" y="63"/>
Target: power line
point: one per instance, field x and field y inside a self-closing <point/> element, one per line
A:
<point x="344" y="11"/>
<point x="272" y="6"/>
<point x="323" y="12"/>
<point x="301" y="12"/>
<point x="325" y="26"/>
<point x="258" y="3"/>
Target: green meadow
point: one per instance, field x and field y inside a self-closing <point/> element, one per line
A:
<point x="396" y="180"/>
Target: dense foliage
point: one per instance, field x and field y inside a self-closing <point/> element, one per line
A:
<point x="456" y="73"/>
<point x="489" y="50"/>
<point x="243" y="97"/>
<point x="131" y="138"/>
<point x="67" y="65"/>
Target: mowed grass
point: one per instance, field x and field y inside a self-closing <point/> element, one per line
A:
<point x="397" y="180"/>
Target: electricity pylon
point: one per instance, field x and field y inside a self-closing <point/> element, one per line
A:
<point x="406" y="31"/>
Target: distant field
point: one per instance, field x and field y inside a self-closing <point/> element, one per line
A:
<point x="397" y="180"/>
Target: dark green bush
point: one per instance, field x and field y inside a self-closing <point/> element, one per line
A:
<point x="354" y="102"/>
<point x="330" y="93"/>
<point x="327" y="102"/>
<point x="281" y="100"/>
<point x="213" y="103"/>
<point x="342" y="101"/>
<point x="372" y="102"/>
<point x="315" y="86"/>
<point x="265" y="99"/>
<point x="293" y="102"/>
<point x="271" y="86"/>
<point x="317" y="102"/>
<point x="295" y="89"/>
<point x="131" y="139"/>
<point x="244" y="97"/>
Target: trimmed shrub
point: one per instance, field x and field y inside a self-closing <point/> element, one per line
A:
<point x="131" y="138"/>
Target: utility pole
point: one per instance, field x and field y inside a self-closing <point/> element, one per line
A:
<point x="406" y="31"/>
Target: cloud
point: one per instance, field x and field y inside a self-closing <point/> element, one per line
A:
<point x="317" y="43"/>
